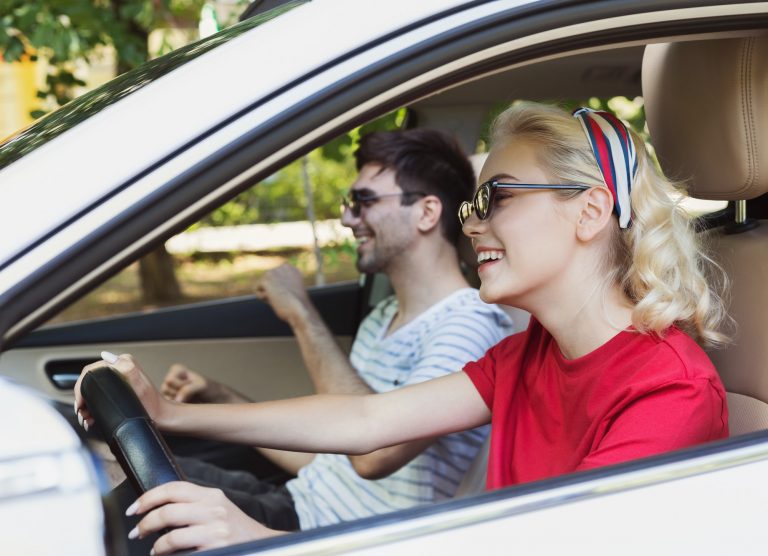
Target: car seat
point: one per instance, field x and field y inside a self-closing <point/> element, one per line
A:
<point x="706" y="105"/>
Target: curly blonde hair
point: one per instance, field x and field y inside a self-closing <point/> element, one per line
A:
<point x="658" y="261"/>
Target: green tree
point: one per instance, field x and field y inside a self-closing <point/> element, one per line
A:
<point x="331" y="170"/>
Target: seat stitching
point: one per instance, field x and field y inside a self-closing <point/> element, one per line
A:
<point x="747" y="109"/>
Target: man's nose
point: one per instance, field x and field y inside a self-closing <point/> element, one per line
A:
<point x="347" y="218"/>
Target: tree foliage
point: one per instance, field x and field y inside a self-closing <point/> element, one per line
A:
<point x="66" y="31"/>
<point x="281" y="198"/>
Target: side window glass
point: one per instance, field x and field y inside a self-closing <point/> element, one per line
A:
<point x="223" y="254"/>
<point x="290" y="217"/>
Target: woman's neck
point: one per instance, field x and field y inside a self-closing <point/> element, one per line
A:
<point x="585" y="324"/>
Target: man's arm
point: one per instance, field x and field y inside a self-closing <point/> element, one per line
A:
<point x="328" y="366"/>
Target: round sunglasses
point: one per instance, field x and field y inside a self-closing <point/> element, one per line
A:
<point x="482" y="202"/>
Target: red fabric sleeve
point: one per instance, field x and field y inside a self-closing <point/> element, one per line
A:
<point x="675" y="415"/>
<point x="482" y="373"/>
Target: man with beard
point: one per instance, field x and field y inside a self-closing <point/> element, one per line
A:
<point x="402" y="210"/>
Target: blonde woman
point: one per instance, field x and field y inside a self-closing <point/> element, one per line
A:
<point x="573" y="223"/>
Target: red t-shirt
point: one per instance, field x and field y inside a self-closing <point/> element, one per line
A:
<point x="635" y="396"/>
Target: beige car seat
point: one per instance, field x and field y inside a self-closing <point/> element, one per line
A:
<point x="706" y="105"/>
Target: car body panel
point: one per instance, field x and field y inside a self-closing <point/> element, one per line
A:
<point x="239" y="342"/>
<point x="43" y="465"/>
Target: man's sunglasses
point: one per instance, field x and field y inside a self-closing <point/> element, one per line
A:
<point x="482" y="202"/>
<point x="355" y="201"/>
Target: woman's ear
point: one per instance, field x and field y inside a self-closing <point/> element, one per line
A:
<point x="596" y="211"/>
<point x="429" y="216"/>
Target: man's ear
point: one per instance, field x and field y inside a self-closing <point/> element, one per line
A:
<point x="429" y="215"/>
<point x="595" y="213"/>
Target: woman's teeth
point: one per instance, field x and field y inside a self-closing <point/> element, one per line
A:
<point x="484" y="256"/>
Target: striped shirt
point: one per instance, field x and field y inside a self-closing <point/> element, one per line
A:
<point x="458" y="329"/>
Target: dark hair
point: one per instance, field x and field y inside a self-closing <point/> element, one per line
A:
<point x="424" y="160"/>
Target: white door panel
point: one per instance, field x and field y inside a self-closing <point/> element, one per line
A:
<point x="260" y="368"/>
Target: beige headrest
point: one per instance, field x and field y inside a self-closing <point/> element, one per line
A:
<point x="706" y="104"/>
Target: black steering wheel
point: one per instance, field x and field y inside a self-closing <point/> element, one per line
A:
<point x="128" y="430"/>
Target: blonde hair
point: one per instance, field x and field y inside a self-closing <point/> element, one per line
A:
<point x="658" y="261"/>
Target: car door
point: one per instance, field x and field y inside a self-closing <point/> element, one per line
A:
<point x="239" y="342"/>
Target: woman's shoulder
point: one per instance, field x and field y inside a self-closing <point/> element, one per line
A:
<point x="681" y="358"/>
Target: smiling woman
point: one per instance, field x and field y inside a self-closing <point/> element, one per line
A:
<point x="604" y="320"/>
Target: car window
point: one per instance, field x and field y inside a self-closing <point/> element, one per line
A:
<point x="293" y="217"/>
<point x="223" y="254"/>
<point x="82" y="108"/>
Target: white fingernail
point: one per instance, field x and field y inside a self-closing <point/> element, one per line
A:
<point x="109" y="357"/>
<point x="132" y="508"/>
<point x="134" y="533"/>
<point x="85" y="425"/>
<point x="80" y="418"/>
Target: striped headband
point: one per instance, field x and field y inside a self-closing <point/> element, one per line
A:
<point x="615" y="155"/>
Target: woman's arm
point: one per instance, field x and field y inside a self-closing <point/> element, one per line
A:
<point x="349" y="424"/>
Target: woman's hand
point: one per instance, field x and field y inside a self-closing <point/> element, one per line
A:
<point x="200" y="518"/>
<point x="158" y="408"/>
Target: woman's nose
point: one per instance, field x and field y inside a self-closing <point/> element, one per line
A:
<point x="473" y="226"/>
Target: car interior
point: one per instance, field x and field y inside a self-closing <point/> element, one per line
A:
<point x="706" y="101"/>
<point x="723" y="156"/>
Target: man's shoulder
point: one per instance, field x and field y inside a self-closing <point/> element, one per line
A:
<point x="467" y="303"/>
<point x="466" y="315"/>
<point x="383" y="309"/>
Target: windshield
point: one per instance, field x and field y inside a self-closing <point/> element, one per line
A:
<point x="82" y="108"/>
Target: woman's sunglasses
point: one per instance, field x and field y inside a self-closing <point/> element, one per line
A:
<point x="482" y="202"/>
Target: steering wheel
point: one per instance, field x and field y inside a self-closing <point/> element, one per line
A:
<point x="128" y="430"/>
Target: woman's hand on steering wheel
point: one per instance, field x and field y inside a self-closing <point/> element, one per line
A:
<point x="198" y="517"/>
<point x="157" y="407"/>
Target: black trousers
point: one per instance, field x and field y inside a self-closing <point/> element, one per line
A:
<point x="233" y="469"/>
<point x="267" y="503"/>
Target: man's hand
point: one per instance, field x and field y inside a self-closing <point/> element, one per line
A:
<point x="182" y="384"/>
<point x="283" y="288"/>
<point x="200" y="518"/>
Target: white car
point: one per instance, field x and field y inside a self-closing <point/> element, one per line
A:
<point x="90" y="188"/>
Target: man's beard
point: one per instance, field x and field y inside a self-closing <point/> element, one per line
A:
<point x="370" y="264"/>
